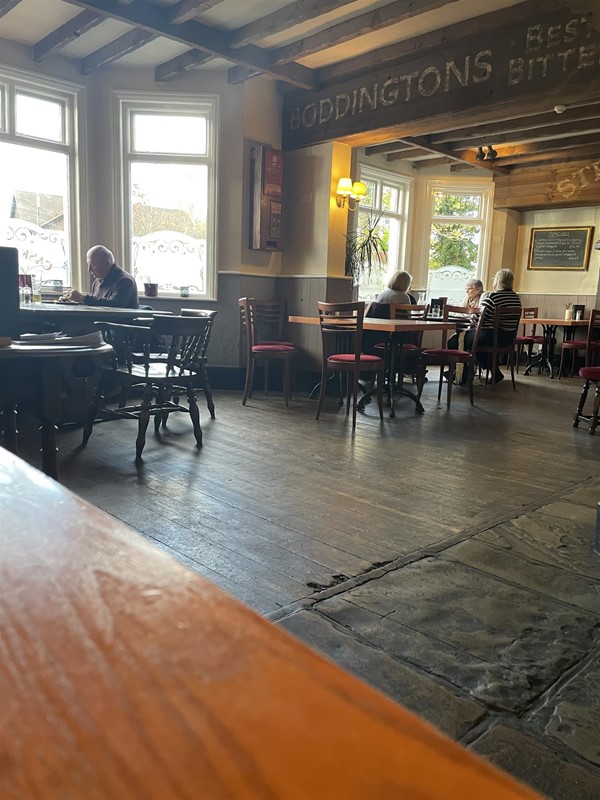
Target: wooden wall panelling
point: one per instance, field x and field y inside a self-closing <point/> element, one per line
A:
<point x="551" y="186"/>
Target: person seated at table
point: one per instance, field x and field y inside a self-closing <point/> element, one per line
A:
<point x="502" y="295"/>
<point x="474" y="291"/>
<point x="112" y="286"/>
<point x="397" y="289"/>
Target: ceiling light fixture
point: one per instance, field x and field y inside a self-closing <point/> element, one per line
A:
<point x="480" y="156"/>
<point x="491" y="154"/>
<point x="560" y="109"/>
<point x="350" y="193"/>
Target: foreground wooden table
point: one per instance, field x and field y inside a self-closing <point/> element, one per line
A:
<point x="123" y="675"/>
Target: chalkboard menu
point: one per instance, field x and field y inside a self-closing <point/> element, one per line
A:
<point x="560" y="248"/>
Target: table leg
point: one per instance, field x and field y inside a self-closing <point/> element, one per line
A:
<point x="544" y="358"/>
<point x="8" y="428"/>
<point x="48" y="412"/>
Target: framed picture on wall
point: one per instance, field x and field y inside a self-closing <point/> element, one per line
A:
<point x="560" y="248"/>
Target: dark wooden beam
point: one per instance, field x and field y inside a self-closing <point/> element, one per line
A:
<point x="386" y="147"/>
<point x="409" y="154"/>
<point x="431" y="162"/>
<point x="282" y="20"/>
<point x="542" y="133"/>
<point x="572" y="117"/>
<point x="7" y="5"/>
<point x="401" y="51"/>
<point x="239" y="74"/>
<point x="461" y="167"/>
<point x="459" y="155"/>
<point x="130" y="41"/>
<point x="590" y="8"/>
<point x="551" y="156"/>
<point x="552" y="145"/>
<point x="66" y="33"/>
<point x="191" y="59"/>
<point x="361" y="25"/>
<point x="154" y="19"/>
<point x="188" y="9"/>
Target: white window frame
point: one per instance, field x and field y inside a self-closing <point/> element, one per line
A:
<point x="72" y="98"/>
<point x="483" y="187"/>
<point x="129" y="103"/>
<point x="405" y="185"/>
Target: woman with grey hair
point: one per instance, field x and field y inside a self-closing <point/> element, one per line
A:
<point x="501" y="296"/>
<point x="397" y="289"/>
<point x="474" y="290"/>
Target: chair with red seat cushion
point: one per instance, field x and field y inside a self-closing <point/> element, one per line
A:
<point x="341" y="322"/>
<point x="446" y="357"/>
<point x="263" y="322"/>
<point x="408" y="345"/>
<point x="528" y="338"/>
<point x="590" y="375"/>
<point x="591" y="344"/>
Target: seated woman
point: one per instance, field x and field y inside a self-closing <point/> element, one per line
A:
<point x="502" y="294"/>
<point x="397" y="289"/>
<point x="474" y="291"/>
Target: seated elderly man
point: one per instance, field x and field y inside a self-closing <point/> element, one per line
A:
<point x="112" y="286"/>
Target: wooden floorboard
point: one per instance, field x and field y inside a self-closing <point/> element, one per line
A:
<point x="277" y="505"/>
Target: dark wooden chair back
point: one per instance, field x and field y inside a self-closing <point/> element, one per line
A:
<point x="345" y="319"/>
<point x="463" y="316"/>
<point x="506" y="319"/>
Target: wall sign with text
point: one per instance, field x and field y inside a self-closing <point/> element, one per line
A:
<point x="552" y="50"/>
<point x="560" y="248"/>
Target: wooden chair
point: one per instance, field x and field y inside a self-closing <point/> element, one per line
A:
<point x="263" y="322"/>
<point x="528" y="338"/>
<point x="205" y="384"/>
<point x="447" y="357"/>
<point x="505" y="318"/>
<point x="590" y="375"/>
<point x="343" y="321"/>
<point x="407" y="345"/>
<point x="160" y="376"/>
<point x="591" y="344"/>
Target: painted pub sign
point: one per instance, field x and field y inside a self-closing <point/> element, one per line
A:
<point x="558" y="51"/>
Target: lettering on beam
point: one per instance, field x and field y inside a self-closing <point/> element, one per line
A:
<point x="578" y="180"/>
<point x="560" y="51"/>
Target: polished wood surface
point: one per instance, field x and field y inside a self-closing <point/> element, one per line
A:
<point x="566" y="323"/>
<point x="389" y="325"/>
<point x="124" y="675"/>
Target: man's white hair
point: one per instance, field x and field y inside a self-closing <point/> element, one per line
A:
<point x="104" y="253"/>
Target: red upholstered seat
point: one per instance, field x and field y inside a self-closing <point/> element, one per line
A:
<point x="590" y="375"/>
<point x="271" y="348"/>
<point x="342" y="325"/>
<point x="349" y="357"/>
<point x="263" y="322"/>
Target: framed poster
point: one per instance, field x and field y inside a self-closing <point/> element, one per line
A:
<point x="560" y="248"/>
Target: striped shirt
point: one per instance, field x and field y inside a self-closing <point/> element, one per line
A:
<point x="505" y="298"/>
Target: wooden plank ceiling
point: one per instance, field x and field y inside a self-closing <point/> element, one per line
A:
<point x="312" y="44"/>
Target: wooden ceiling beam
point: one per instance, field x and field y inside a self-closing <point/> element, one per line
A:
<point x="553" y="134"/>
<point x="551" y="156"/>
<point x="191" y="59"/>
<point x="582" y="115"/>
<point x="155" y="19"/>
<point x="409" y="154"/>
<point x="459" y="155"/>
<point x="590" y="8"/>
<point x="71" y="30"/>
<point x="420" y="45"/>
<point x="386" y="147"/>
<point x="282" y="20"/>
<point x="361" y="25"/>
<point x="7" y="5"/>
<point x="432" y="162"/>
<point x="553" y="145"/>
<point x="130" y="41"/>
<point x="188" y="9"/>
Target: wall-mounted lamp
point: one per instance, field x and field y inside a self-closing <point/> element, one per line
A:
<point x="350" y="193"/>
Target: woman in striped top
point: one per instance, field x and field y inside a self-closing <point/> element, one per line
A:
<point x="503" y="295"/>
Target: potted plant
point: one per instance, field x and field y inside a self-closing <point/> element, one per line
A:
<point x="366" y="246"/>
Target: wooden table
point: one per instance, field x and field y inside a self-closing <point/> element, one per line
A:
<point x="124" y="675"/>
<point x="75" y="317"/>
<point x="392" y="326"/>
<point x="40" y="366"/>
<point x="549" y="326"/>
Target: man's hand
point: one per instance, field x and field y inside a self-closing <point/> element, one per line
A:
<point x="73" y="296"/>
